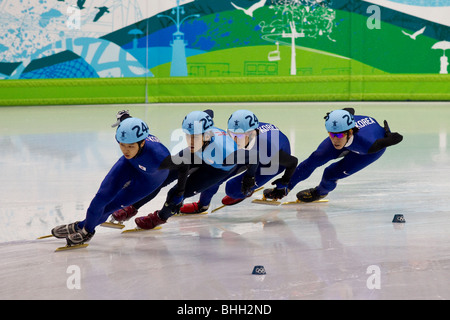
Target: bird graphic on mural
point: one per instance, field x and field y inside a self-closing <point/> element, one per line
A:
<point x="100" y="13"/>
<point x="252" y="9"/>
<point x="80" y="4"/>
<point x="415" y="34"/>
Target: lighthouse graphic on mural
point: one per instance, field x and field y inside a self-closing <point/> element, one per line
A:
<point x="178" y="44"/>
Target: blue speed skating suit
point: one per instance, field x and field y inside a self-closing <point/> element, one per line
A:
<point x="268" y="156"/>
<point x="356" y="155"/>
<point x="128" y="181"/>
<point x="207" y="167"/>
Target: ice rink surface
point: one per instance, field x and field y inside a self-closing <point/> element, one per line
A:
<point x="54" y="158"/>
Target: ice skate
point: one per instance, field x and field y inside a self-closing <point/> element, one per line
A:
<point x="80" y="237"/>
<point x="275" y="193"/>
<point x="310" y="195"/>
<point x="298" y="202"/>
<point x="264" y="200"/>
<point x="150" y="221"/>
<point x="193" y="208"/>
<point x="119" y="216"/>
<point x="124" y="214"/>
<point x="270" y="197"/>
<point x="69" y="247"/>
<point x="63" y="231"/>
<point x="229" y="201"/>
<point x="77" y="240"/>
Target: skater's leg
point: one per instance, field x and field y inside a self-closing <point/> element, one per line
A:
<point x="344" y="168"/>
<point x="233" y="186"/>
<point x="199" y="181"/>
<point x="136" y="188"/>
<point x="207" y="195"/>
<point x="118" y="178"/>
<point x="173" y="175"/>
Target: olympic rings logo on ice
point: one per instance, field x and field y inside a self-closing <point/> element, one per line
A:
<point x="260" y="270"/>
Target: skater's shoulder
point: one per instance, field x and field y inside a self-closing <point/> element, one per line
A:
<point x="153" y="139"/>
<point x="154" y="146"/>
<point x="364" y="121"/>
<point x="265" y="127"/>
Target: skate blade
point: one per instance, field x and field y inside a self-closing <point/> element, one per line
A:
<point x="140" y="230"/>
<point x="218" y="208"/>
<point x="259" y="189"/>
<point x="69" y="247"/>
<point x="190" y="214"/>
<point x="265" y="201"/>
<point x="302" y="202"/>
<point x="45" y="237"/>
<point x="113" y="225"/>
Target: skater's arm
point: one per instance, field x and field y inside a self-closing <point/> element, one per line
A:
<point x="181" y="166"/>
<point x="282" y="184"/>
<point x="390" y="139"/>
<point x="290" y="163"/>
<point x="249" y="158"/>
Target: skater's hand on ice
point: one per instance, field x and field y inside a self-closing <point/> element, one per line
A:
<point x="281" y="189"/>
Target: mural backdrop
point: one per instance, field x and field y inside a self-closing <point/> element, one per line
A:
<point x="160" y="39"/>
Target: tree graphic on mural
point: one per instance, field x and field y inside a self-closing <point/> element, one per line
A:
<point x="296" y="19"/>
